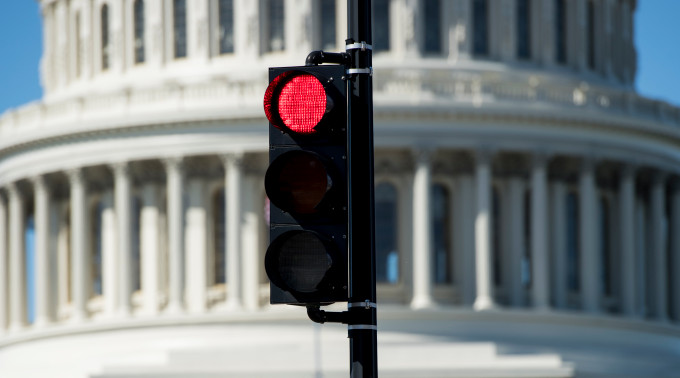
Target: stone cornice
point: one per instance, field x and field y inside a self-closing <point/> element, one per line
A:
<point x="445" y="103"/>
<point x="437" y="93"/>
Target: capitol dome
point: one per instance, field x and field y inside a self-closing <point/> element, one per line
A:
<point x="527" y="198"/>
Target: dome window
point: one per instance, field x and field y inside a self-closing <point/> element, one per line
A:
<point x="524" y="29"/>
<point x="433" y="27"/>
<point x="275" y="26"/>
<point x="381" y="25"/>
<point x="480" y="24"/>
<point x="179" y="10"/>
<point x="226" y="26"/>
<point x="139" y="30"/>
<point x="106" y="41"/>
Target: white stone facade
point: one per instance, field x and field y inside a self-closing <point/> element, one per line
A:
<point x="518" y="173"/>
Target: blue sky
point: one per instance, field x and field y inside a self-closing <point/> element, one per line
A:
<point x="657" y="37"/>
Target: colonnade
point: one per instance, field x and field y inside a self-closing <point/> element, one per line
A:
<point x="88" y="239"/>
<point x="630" y="245"/>
<point x="534" y="236"/>
<point x="597" y="35"/>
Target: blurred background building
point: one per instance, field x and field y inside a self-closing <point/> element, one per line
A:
<point x="527" y="198"/>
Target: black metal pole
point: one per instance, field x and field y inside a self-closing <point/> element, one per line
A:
<point x="363" y="335"/>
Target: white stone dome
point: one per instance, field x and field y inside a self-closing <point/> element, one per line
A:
<point x="132" y="209"/>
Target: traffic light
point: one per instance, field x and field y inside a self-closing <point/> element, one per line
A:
<point x="306" y="183"/>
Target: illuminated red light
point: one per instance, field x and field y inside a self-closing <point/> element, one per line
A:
<point x="296" y="102"/>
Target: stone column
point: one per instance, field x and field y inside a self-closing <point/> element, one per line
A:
<point x="590" y="261"/>
<point x="80" y="285"/>
<point x="110" y="287"/>
<point x="117" y="36"/>
<point x="123" y="204"/>
<point x="233" y="166"/>
<point x="247" y="28"/>
<point x="514" y="228"/>
<point x="17" y="286"/>
<point x="150" y="248"/>
<point x="422" y="231"/>
<point x="408" y="12"/>
<point x="460" y="31"/>
<point x="559" y="243"/>
<point x="251" y="262"/>
<point x="196" y="247"/>
<point x="175" y="171"/>
<point x="659" y="260"/>
<point x="540" y="283"/>
<point x="47" y="70"/>
<point x="42" y="234"/>
<point x="297" y="26"/>
<point x="61" y="51"/>
<point x="483" y="233"/>
<point x="4" y="305"/>
<point x="86" y="35"/>
<point x="198" y="32"/>
<point x="155" y="54"/>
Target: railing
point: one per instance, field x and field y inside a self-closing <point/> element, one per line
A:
<point x="489" y="89"/>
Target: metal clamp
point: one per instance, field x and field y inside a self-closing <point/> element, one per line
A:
<point x="366" y="304"/>
<point x="357" y="71"/>
<point x="362" y="326"/>
<point x="363" y="46"/>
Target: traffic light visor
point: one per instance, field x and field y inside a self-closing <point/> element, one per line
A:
<point x="296" y="101"/>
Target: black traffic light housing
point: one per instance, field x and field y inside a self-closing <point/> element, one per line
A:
<point x="306" y="183"/>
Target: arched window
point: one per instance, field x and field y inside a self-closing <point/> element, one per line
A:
<point x="29" y="267"/>
<point x="441" y="224"/>
<point x="138" y="19"/>
<point x="560" y="31"/>
<point x="496" y="233"/>
<point x="387" y="254"/>
<point x="328" y="25"/>
<point x="526" y="275"/>
<point x="276" y="40"/>
<point x="106" y="43"/>
<point x="480" y="25"/>
<point x="63" y="250"/>
<point x="605" y="245"/>
<point x="572" y="242"/>
<point x="523" y="29"/>
<point x="219" y="242"/>
<point x="96" y="254"/>
<point x="590" y="29"/>
<point x="135" y="259"/>
<point x="381" y="25"/>
<point x="179" y="18"/>
<point x="225" y="13"/>
<point x="433" y="27"/>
